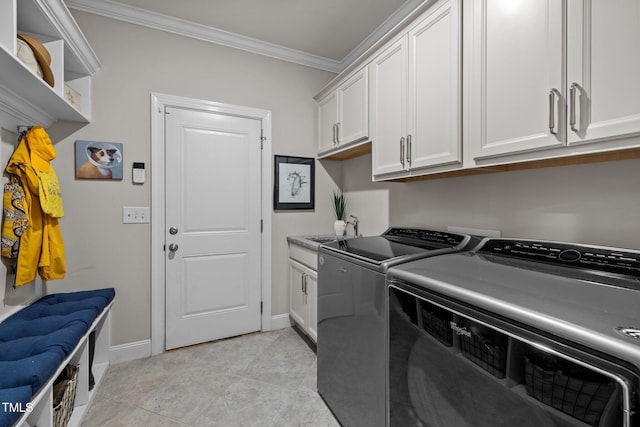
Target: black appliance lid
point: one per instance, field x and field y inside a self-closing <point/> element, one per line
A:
<point x="397" y="243"/>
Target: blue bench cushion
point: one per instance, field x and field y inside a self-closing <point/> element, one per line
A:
<point x="18" y="397"/>
<point x="37" y="339"/>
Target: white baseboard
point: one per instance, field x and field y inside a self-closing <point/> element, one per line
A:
<point x="141" y="349"/>
<point x="280" y="321"/>
<point x="130" y="351"/>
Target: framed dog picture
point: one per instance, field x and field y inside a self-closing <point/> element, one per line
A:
<point x="98" y="160"/>
<point x="294" y="183"/>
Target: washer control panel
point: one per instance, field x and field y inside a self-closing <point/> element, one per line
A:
<point x="619" y="261"/>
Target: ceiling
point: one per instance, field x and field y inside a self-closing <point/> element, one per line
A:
<point x="328" y="33"/>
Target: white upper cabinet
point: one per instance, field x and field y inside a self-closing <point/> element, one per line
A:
<point x="434" y="103"/>
<point x="25" y="99"/>
<point x="327" y="119"/>
<point x="343" y="114"/>
<point x="546" y="74"/>
<point x="353" y="109"/>
<point x="415" y="96"/>
<point x="603" y="69"/>
<point x="388" y="97"/>
<point x="517" y="89"/>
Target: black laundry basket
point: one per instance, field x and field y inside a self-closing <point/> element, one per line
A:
<point x="486" y="348"/>
<point x="567" y="387"/>
<point x="436" y="322"/>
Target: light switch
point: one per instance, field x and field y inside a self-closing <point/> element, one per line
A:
<point x="135" y="215"/>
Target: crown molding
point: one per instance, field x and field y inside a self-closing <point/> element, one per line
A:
<point x="158" y="21"/>
<point x="389" y="24"/>
<point x="61" y="19"/>
<point x="133" y="15"/>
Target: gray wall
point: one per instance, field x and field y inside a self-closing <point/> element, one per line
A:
<point x="596" y="203"/>
<point x="103" y="252"/>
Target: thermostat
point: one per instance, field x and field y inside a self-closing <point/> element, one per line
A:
<point x="138" y="173"/>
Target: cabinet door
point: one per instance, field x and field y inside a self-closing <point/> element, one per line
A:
<point x="434" y="103"/>
<point x="388" y="104"/>
<point x="297" y="298"/>
<point x="516" y="76"/>
<point x="327" y="118"/>
<point x="312" y="305"/>
<point x="603" y="69"/>
<point x="353" y="109"/>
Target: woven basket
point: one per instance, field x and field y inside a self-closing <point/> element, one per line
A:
<point x="485" y="347"/>
<point x="437" y="325"/>
<point x="578" y="392"/>
<point x="64" y="395"/>
<point x="490" y="356"/>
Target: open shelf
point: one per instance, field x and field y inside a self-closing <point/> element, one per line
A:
<point x="42" y="403"/>
<point x="25" y="99"/>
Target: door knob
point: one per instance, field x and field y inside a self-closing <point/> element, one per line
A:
<point x="173" y="247"/>
<point x="173" y="231"/>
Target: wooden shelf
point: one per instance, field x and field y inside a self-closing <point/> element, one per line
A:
<point x="579" y="159"/>
<point x="349" y="152"/>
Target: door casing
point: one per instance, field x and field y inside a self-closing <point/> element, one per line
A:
<point x="157" y="176"/>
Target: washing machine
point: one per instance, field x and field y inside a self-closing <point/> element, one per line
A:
<point x="515" y="333"/>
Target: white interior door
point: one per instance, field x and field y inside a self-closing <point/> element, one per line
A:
<point x="213" y="226"/>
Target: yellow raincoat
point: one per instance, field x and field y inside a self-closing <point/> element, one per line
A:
<point x="41" y="247"/>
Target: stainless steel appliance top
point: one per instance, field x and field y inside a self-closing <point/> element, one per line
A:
<point x="397" y="245"/>
<point x="586" y="294"/>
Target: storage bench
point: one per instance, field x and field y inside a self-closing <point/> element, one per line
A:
<point x="39" y="341"/>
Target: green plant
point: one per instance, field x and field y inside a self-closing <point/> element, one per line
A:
<point x="339" y="204"/>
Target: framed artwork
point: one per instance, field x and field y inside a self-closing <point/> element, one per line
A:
<point x="294" y="183"/>
<point x="98" y="160"/>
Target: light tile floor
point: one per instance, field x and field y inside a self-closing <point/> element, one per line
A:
<point x="262" y="379"/>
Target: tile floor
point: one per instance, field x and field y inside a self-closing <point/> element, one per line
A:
<point x="262" y="379"/>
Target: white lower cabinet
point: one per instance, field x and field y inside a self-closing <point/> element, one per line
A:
<point x="311" y="290"/>
<point x="303" y="289"/>
<point x="303" y="305"/>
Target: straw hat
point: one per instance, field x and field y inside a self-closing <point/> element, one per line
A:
<point x="42" y="56"/>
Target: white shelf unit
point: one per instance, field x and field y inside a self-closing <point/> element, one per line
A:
<point x="42" y="402"/>
<point x="25" y="99"/>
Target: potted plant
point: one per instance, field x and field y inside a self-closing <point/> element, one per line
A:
<point x="340" y="206"/>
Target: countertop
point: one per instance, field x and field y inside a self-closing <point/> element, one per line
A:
<point x="312" y="242"/>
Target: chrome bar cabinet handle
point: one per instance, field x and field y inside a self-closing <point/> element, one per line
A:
<point x="552" y="114"/>
<point x="409" y="150"/>
<point x="572" y="106"/>
<point x="402" y="151"/>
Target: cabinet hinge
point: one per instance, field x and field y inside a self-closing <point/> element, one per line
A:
<point x="260" y="307"/>
<point x="261" y="225"/>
